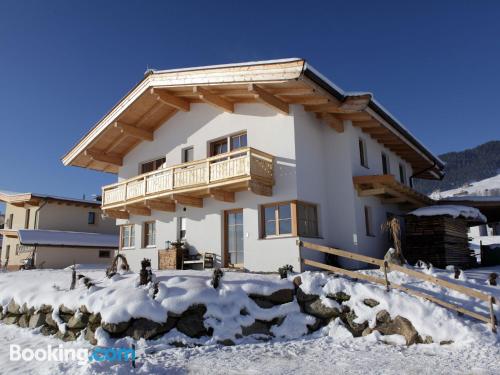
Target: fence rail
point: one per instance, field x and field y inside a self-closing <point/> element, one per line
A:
<point x="491" y="319"/>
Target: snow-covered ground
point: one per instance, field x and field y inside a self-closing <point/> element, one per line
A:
<point x="332" y="349"/>
<point x="321" y="355"/>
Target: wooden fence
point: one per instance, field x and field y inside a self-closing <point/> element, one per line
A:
<point x="386" y="267"/>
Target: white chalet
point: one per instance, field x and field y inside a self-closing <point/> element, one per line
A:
<point x="243" y="160"/>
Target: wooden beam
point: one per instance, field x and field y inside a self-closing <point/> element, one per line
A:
<point x="333" y="122"/>
<point x="222" y="195"/>
<point x="171" y="100"/>
<point x="366" y="124"/>
<point x="167" y="206"/>
<point x="371" y="192"/>
<point x="212" y="99"/>
<point x="132" y="131"/>
<point x="269" y="99"/>
<point x="105" y="158"/>
<point x="136" y="210"/>
<point x="187" y="200"/>
<point x="260" y="189"/>
<point x="349" y="105"/>
<point x="116" y="214"/>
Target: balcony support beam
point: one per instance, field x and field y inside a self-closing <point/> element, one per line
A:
<point x="171" y="100"/>
<point x="222" y="195"/>
<point x="260" y="189"/>
<point x="135" y="210"/>
<point x="116" y="214"/>
<point x="187" y="200"/>
<point x="167" y="206"/>
<point x="332" y="121"/>
<point x="133" y="131"/>
<point x="213" y="99"/>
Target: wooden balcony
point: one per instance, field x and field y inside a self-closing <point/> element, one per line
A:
<point x="217" y="177"/>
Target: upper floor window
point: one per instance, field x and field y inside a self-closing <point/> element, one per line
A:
<point x="188" y="154"/>
<point x="182" y="228"/>
<point x="27" y="219"/>
<point x="149" y="234"/>
<point x="152" y="165"/>
<point x="402" y="173"/>
<point x="386" y="167"/>
<point x="128" y="236"/>
<point x="289" y="218"/>
<point x="227" y="144"/>
<point x="10" y="221"/>
<point x="363" y="159"/>
<point x="91" y="218"/>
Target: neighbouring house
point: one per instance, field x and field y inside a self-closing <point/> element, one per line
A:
<point x="243" y="160"/>
<point x="55" y="232"/>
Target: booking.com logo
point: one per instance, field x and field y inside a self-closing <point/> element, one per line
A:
<point x="61" y="354"/>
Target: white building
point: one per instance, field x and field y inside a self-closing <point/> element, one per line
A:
<point x="243" y="160"/>
<point x="55" y="232"/>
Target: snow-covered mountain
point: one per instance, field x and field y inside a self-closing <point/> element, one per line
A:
<point x="489" y="187"/>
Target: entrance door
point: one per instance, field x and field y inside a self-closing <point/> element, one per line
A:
<point x="233" y="238"/>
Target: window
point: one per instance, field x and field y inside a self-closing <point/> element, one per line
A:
<point x="91" y="218"/>
<point x="7" y="252"/>
<point x="307" y="218"/>
<point x="188" y="155"/>
<point x="362" y="153"/>
<point x="104" y="254"/>
<point x="152" y="165"/>
<point x="27" y="219"/>
<point x="235" y="142"/>
<point x="402" y="173"/>
<point x="386" y="167"/>
<point x="218" y="147"/>
<point x="10" y="221"/>
<point x="149" y="239"/>
<point x="128" y="236"/>
<point x="289" y="218"/>
<point x="238" y="141"/>
<point x="182" y="228"/>
<point x="368" y="221"/>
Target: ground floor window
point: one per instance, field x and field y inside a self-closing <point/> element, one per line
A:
<point x="149" y="231"/>
<point x="289" y="218"/>
<point x="104" y="254"/>
<point x="128" y="236"/>
<point x="369" y="221"/>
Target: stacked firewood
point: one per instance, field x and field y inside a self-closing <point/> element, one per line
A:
<point x="439" y="240"/>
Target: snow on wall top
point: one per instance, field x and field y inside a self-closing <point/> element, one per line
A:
<point x="455" y="211"/>
<point x="65" y="238"/>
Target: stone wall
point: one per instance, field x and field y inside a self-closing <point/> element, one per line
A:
<point x="67" y="324"/>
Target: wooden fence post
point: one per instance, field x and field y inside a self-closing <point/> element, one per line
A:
<point x="492" y="315"/>
<point x="385" y="275"/>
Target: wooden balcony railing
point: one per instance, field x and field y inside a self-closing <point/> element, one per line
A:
<point x="221" y="171"/>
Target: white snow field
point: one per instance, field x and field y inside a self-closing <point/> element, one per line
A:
<point x="332" y="349"/>
<point x="488" y="187"/>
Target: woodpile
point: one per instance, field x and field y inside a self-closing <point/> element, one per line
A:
<point x="439" y="240"/>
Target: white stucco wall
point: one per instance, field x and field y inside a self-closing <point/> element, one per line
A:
<point x="204" y="225"/>
<point x="313" y="163"/>
<point x="61" y="257"/>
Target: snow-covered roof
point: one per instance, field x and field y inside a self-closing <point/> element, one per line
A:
<point x="41" y="237"/>
<point x="6" y="195"/>
<point x="469" y="213"/>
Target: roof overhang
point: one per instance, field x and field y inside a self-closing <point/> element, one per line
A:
<point x="33" y="199"/>
<point x="489" y="206"/>
<point x="277" y="83"/>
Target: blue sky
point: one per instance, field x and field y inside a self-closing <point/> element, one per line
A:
<point x="64" y="64"/>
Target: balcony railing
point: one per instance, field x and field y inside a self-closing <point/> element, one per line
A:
<point x="245" y="164"/>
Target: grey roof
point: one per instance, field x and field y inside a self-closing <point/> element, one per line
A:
<point x="42" y="237"/>
<point x="48" y="196"/>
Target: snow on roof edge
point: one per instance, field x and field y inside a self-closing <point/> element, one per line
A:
<point x="454" y="211"/>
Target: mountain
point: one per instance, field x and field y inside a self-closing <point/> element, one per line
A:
<point x="465" y="167"/>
